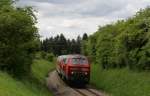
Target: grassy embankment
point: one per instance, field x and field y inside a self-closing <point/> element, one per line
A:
<point x="121" y="82"/>
<point x="12" y="87"/>
<point x="41" y="68"/>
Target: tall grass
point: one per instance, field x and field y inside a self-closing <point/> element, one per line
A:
<point x="41" y="68"/>
<point x="121" y="82"/>
<point x="12" y="87"/>
<point x="32" y="86"/>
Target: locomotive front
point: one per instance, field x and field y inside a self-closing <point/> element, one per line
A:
<point x="79" y="69"/>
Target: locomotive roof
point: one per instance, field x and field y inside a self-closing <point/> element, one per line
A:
<point x="71" y="56"/>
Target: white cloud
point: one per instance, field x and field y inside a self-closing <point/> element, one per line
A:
<point x="75" y="17"/>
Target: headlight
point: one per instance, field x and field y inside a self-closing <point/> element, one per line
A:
<point x="72" y="72"/>
<point x="86" y="73"/>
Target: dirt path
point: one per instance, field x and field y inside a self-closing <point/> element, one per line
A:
<point x="60" y="88"/>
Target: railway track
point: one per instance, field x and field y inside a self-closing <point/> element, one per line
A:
<point x="87" y="92"/>
<point x="61" y="88"/>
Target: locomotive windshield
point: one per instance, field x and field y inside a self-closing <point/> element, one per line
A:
<point x="79" y="61"/>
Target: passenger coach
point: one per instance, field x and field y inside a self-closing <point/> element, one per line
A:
<point x="74" y="68"/>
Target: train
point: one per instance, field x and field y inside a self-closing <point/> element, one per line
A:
<point x="74" y="68"/>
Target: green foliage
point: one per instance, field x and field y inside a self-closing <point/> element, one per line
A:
<point x="120" y="82"/>
<point x="18" y="39"/>
<point x="85" y="36"/>
<point x="84" y="47"/>
<point x="41" y="68"/>
<point x="5" y="3"/>
<point x="125" y="43"/>
<point x="47" y="56"/>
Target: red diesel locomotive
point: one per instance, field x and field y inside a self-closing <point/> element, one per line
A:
<point x="74" y="68"/>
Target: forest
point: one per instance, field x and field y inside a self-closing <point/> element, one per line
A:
<point x="59" y="45"/>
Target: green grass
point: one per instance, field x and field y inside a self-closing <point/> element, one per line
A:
<point x="121" y="82"/>
<point x="35" y="86"/>
<point x="41" y="68"/>
<point x="13" y="87"/>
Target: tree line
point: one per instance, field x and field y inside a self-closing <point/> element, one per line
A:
<point x="125" y="43"/>
<point x="59" y="45"/>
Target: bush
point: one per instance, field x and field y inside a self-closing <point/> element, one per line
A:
<point x="47" y="56"/>
<point x="50" y="57"/>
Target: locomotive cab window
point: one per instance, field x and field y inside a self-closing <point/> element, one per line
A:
<point x="79" y="61"/>
<point x="65" y="60"/>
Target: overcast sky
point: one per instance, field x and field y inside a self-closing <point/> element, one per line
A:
<point x="75" y="17"/>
